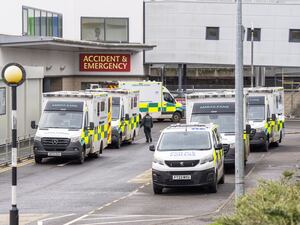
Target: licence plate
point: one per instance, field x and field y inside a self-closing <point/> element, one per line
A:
<point x="54" y="153"/>
<point x="182" y="177"/>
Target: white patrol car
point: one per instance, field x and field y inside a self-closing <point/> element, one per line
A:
<point x="188" y="155"/>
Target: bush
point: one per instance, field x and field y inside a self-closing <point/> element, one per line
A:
<point x="271" y="203"/>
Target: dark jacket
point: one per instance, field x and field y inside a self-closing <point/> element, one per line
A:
<point x="147" y="122"/>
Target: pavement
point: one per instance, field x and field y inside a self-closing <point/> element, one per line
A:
<point x="116" y="188"/>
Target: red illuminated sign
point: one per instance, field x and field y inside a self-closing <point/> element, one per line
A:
<point x="104" y="62"/>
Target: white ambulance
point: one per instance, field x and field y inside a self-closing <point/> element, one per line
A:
<point x="188" y="155"/>
<point x="125" y="114"/>
<point x="266" y="115"/>
<point x="155" y="99"/>
<point x="72" y="125"/>
<point x="218" y="107"/>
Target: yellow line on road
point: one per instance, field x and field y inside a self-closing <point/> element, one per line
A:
<point x="143" y="178"/>
<point x="7" y="168"/>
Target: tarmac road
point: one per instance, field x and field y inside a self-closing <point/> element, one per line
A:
<point x="116" y="189"/>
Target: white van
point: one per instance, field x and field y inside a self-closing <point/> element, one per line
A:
<point x="73" y="125"/>
<point x="188" y="155"/>
<point x="125" y="113"/>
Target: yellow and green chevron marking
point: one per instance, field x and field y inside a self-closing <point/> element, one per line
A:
<point x="166" y="107"/>
<point x="99" y="133"/>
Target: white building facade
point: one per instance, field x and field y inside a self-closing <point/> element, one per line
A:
<point x="115" y="23"/>
<point x="66" y="45"/>
<point x="201" y="34"/>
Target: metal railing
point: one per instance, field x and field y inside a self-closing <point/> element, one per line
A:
<point x="25" y="149"/>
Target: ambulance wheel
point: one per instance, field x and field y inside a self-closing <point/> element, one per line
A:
<point x="213" y="188"/>
<point x="81" y="157"/>
<point x="222" y="180"/>
<point x="119" y="142"/>
<point x="133" y="137"/>
<point x="276" y="144"/>
<point x="266" y="146"/>
<point x="38" y="160"/>
<point x="176" y="117"/>
<point x="97" y="154"/>
<point x="157" y="189"/>
<point x="280" y="139"/>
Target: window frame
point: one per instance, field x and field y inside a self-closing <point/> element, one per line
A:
<point x="5" y="100"/>
<point x="59" y="15"/>
<point x="104" y="18"/>
<point x="290" y="35"/>
<point x="256" y="29"/>
<point x="212" y="39"/>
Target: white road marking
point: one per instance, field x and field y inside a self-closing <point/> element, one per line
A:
<point x="138" y="221"/>
<point x="40" y="222"/>
<point x="75" y="220"/>
<point x="63" y="164"/>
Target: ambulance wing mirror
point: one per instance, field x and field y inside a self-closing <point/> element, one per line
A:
<point x="218" y="146"/>
<point x="126" y="116"/>
<point x="152" y="148"/>
<point x="248" y="129"/>
<point x="33" y="125"/>
<point x="92" y="126"/>
<point x="273" y="117"/>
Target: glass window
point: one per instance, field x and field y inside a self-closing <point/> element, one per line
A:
<point x="59" y="26"/>
<point x="102" y="106"/>
<point x="44" y="23"/>
<point x="225" y="121"/>
<point x="30" y="22"/>
<point x="180" y="141"/>
<point x="92" y="29"/>
<point x="25" y="16"/>
<point x="61" y="119"/>
<point x="116" y="30"/>
<point x="294" y="35"/>
<point x="2" y="101"/>
<point x="168" y="97"/>
<point x="49" y="24"/>
<point x="55" y="25"/>
<point x="37" y="22"/>
<point x="256" y="34"/>
<point x="104" y="29"/>
<point x="212" y="33"/>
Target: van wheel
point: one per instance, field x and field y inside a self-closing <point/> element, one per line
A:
<point x="280" y="137"/>
<point x="38" y="160"/>
<point x="97" y="154"/>
<point x="81" y="157"/>
<point x="222" y="180"/>
<point x="176" y="117"/>
<point x="266" y="146"/>
<point x="119" y="142"/>
<point x="213" y="188"/>
<point x="157" y="189"/>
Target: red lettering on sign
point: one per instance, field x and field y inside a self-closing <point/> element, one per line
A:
<point x="104" y="62"/>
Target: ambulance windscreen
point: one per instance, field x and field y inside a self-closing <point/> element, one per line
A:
<point x="221" y="114"/>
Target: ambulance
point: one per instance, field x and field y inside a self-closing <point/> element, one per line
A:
<point x="73" y="125"/>
<point x="155" y="99"/>
<point x="188" y="155"/>
<point x="218" y="107"/>
<point x="125" y="113"/>
<point x="266" y="115"/>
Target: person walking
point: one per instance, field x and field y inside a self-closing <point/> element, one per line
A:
<point x="147" y="123"/>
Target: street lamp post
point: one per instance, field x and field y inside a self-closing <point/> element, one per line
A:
<point x="252" y="48"/>
<point x="239" y="101"/>
<point x="13" y="75"/>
